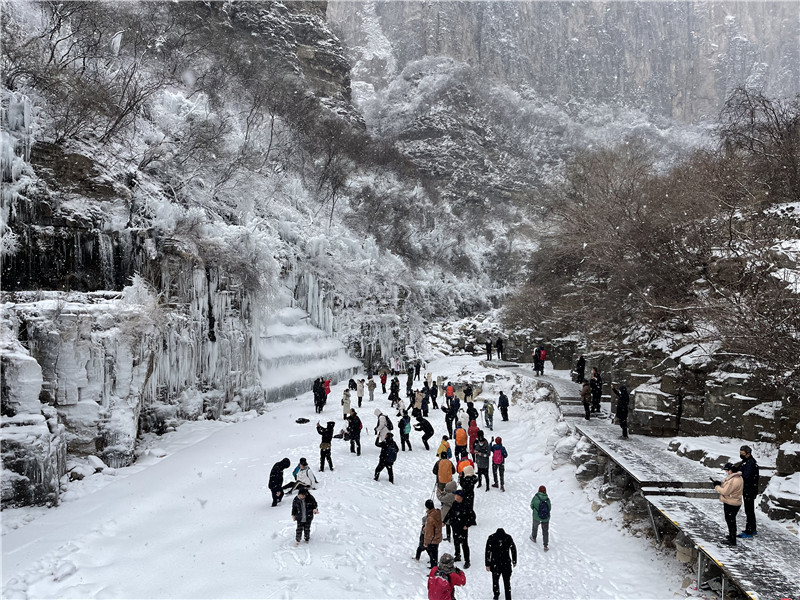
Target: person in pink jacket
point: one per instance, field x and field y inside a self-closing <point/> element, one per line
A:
<point x="730" y="492"/>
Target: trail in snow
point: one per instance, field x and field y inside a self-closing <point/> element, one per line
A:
<point x="198" y="523"/>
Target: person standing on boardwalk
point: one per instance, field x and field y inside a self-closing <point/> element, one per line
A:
<point x="623" y="399"/>
<point x="443" y="579"/>
<point x="499" y="455"/>
<point x="483" y="453"/>
<point x="502" y="403"/>
<point x="433" y="532"/>
<point x="540" y="505"/>
<point x="276" y="480"/>
<point x="580" y="369"/>
<point x="596" y="383"/>
<point x="749" y="469"/>
<point x="500" y="560"/>
<point x="304" y="507"/>
<point x="354" y="426"/>
<point x="488" y="349"/>
<point x="325" y="445"/>
<point x="730" y="494"/>
<point x="387" y="457"/>
<point x="586" y="398"/>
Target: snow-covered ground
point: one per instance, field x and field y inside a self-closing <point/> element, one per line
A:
<point x="193" y="520"/>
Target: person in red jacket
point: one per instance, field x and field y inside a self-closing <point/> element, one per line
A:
<point x="443" y="579"/>
<point x="383" y="381"/>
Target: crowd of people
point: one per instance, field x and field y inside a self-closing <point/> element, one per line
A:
<point x="464" y="458"/>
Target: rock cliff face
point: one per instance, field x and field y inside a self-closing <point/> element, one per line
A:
<point x="676" y="59"/>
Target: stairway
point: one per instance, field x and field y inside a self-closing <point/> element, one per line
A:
<point x="293" y="353"/>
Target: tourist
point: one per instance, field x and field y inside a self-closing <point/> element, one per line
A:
<point x="371" y="385"/>
<point x="540" y="505"/>
<point x="502" y="403"/>
<point x="501" y="558"/>
<point x="483" y="453"/>
<point x="382" y="426"/>
<point x="426" y="428"/>
<point x="360" y="391"/>
<point x="623" y="399"/>
<point x="499" y="455"/>
<point x="462" y="441"/>
<point x="749" y="470"/>
<point x="433" y="532"/>
<point x="325" y="444"/>
<point x="730" y="494"/>
<point x="460" y="517"/>
<point x="444" y="446"/>
<point x="596" y="383"/>
<point x="467" y="480"/>
<point x="443" y="578"/>
<point x="276" y="480"/>
<point x="488" y="349"/>
<point x="580" y="369"/>
<point x="447" y="496"/>
<point x="345" y="403"/>
<point x="303" y="476"/>
<point x="384" y="377"/>
<point x="304" y="507"/>
<point x="488" y="413"/>
<point x="444" y="470"/>
<point x="498" y="346"/>
<point x="404" y="428"/>
<point x="472" y="432"/>
<point x="387" y="456"/>
<point x="354" y="427"/>
<point x="586" y="398"/>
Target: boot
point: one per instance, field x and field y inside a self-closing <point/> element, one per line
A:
<point x="494" y="485"/>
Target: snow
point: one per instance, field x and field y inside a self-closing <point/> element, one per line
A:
<point x="194" y="515"/>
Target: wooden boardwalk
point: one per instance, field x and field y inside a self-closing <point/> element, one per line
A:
<point x="764" y="567"/>
<point x="649" y="464"/>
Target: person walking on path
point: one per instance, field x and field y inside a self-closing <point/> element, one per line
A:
<point x="354" y="426"/>
<point x="498" y="346"/>
<point x="462" y="441"/>
<point x="387" y="457"/>
<point x="540" y="505"/>
<point x="404" y="427"/>
<point x="384" y="377"/>
<point x="596" y="383"/>
<point x="434" y="394"/>
<point x="421" y="543"/>
<point x="472" y="432"/>
<point x="502" y="403"/>
<point x="468" y="391"/>
<point x="371" y="385"/>
<point x="426" y="428"/>
<point x="580" y="369"/>
<point x="433" y="532"/>
<point x="360" y="391"/>
<point x="501" y="558"/>
<point x="325" y="445"/>
<point x="749" y="469"/>
<point x="444" y="471"/>
<point x="488" y="413"/>
<point x="623" y="399"/>
<point x="488" y="349"/>
<point x="382" y="427"/>
<point x="447" y="496"/>
<point x="586" y="398"/>
<point x="483" y="453"/>
<point x="537" y="361"/>
<point x="444" y="446"/>
<point x="460" y="517"/>
<point x="346" y="403"/>
<point x="304" y="507"/>
<point x="417" y="369"/>
<point x="443" y="579"/>
<point x="467" y="480"/>
<point x="276" y="480"/>
<point x="730" y="492"/>
<point x="499" y="455"/>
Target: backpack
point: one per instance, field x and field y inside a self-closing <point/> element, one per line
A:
<point x="498" y="455"/>
<point x="388" y="421"/>
<point x="407" y="428"/>
<point x="391" y="454"/>
<point x="543" y="512"/>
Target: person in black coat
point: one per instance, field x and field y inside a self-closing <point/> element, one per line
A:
<point x="460" y="517"/>
<point x="498" y="345"/>
<point x="580" y="369"/>
<point x="304" y="507"/>
<point x="354" y="427"/>
<point x="325" y="445"/>
<point x="596" y="383"/>
<point x="488" y="349"/>
<point x="426" y="428"/>
<point x="501" y="558"/>
<point x="623" y="399"/>
<point x="749" y="468"/>
<point x="502" y="403"/>
<point x="276" y="480"/>
<point x="434" y="394"/>
<point x="387" y="457"/>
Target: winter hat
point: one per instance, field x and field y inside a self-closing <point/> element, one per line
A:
<point x="429" y="504"/>
<point x="468" y="471"/>
<point x="389" y="435"/>
<point x="498" y="439"/>
<point x="542" y="489"/>
<point x="378" y="412"/>
<point x="446" y="563"/>
<point x="303" y="461"/>
<point x="480" y="434"/>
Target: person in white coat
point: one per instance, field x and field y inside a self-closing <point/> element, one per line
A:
<point x="360" y="391"/>
<point x="303" y="476"/>
<point x="346" y="404"/>
<point x="381" y="429"/>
